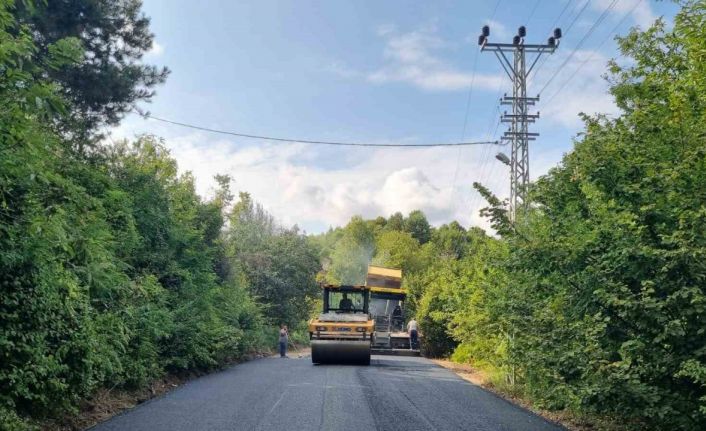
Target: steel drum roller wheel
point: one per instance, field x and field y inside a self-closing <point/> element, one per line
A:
<point x="340" y="352"/>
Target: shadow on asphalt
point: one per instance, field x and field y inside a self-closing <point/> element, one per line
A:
<point x="390" y="363"/>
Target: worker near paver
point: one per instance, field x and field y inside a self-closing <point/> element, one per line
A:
<point x="283" y="340"/>
<point x="412" y="330"/>
<point x="397" y="321"/>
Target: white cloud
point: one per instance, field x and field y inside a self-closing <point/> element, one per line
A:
<point x="408" y="189"/>
<point x="286" y="179"/>
<point x="442" y="80"/>
<point x="389" y="180"/>
<point x="579" y="87"/>
<point x="156" y="50"/>
<point x="498" y="31"/>
<point x="283" y="178"/>
<point x="413" y="58"/>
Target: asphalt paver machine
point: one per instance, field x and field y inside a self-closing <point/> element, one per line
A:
<point x="387" y="306"/>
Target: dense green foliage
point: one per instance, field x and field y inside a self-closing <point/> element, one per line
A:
<point x="113" y="271"/>
<point x="278" y="264"/>
<point x="594" y="300"/>
<point x="606" y="272"/>
<point x="109" y="78"/>
<point x="609" y="264"/>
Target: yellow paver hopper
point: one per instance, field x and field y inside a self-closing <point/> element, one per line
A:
<point x="387" y="300"/>
<point x="343" y="332"/>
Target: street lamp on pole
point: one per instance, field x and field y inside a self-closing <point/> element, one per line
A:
<point x="503" y="158"/>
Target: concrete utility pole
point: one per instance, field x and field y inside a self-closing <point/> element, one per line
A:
<point x="518" y="134"/>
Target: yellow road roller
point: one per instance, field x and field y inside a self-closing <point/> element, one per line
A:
<point x="343" y="332"/>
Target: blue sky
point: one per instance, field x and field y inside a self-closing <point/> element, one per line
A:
<point x="367" y="71"/>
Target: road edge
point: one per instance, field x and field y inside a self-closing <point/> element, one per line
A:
<point x="107" y="403"/>
<point x="563" y="418"/>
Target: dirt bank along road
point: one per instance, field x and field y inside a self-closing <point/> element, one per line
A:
<point x="393" y="393"/>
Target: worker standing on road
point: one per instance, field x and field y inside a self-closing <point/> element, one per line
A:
<point x="283" y="341"/>
<point x="412" y="330"/>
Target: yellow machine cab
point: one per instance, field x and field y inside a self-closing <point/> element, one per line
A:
<point x="343" y="332"/>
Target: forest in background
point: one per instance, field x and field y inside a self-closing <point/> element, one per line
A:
<point x="113" y="271"/>
<point x="594" y="299"/>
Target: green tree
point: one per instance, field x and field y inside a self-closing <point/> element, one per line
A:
<point x="110" y="78"/>
<point x="278" y="265"/>
<point x="48" y="268"/>
<point x="450" y="240"/>
<point x="352" y="253"/>
<point x="396" y="249"/>
<point x="395" y="222"/>
<point x="418" y="226"/>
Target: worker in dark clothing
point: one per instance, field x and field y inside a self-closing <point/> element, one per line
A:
<point x="397" y="318"/>
<point x="283" y="341"/>
<point x="345" y="304"/>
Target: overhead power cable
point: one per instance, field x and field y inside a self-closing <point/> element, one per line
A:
<point x="556" y="20"/>
<point x="580" y="44"/>
<point x="307" y="141"/>
<point x="590" y="57"/>
<point x="495" y="10"/>
<point x="578" y="15"/>
<point x="470" y="95"/>
<point x="534" y="9"/>
<point x="465" y="124"/>
<point x="567" y="30"/>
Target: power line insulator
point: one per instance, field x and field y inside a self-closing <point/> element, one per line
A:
<point x="516" y="40"/>
<point x="481" y="40"/>
<point x="551" y="41"/>
<point x="486" y="31"/>
<point x="522" y="31"/>
<point x="557" y="33"/>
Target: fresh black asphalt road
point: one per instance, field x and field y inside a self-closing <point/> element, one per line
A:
<point x="393" y="393"/>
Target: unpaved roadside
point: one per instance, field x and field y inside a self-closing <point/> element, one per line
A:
<point x="297" y="353"/>
<point x="108" y="402"/>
